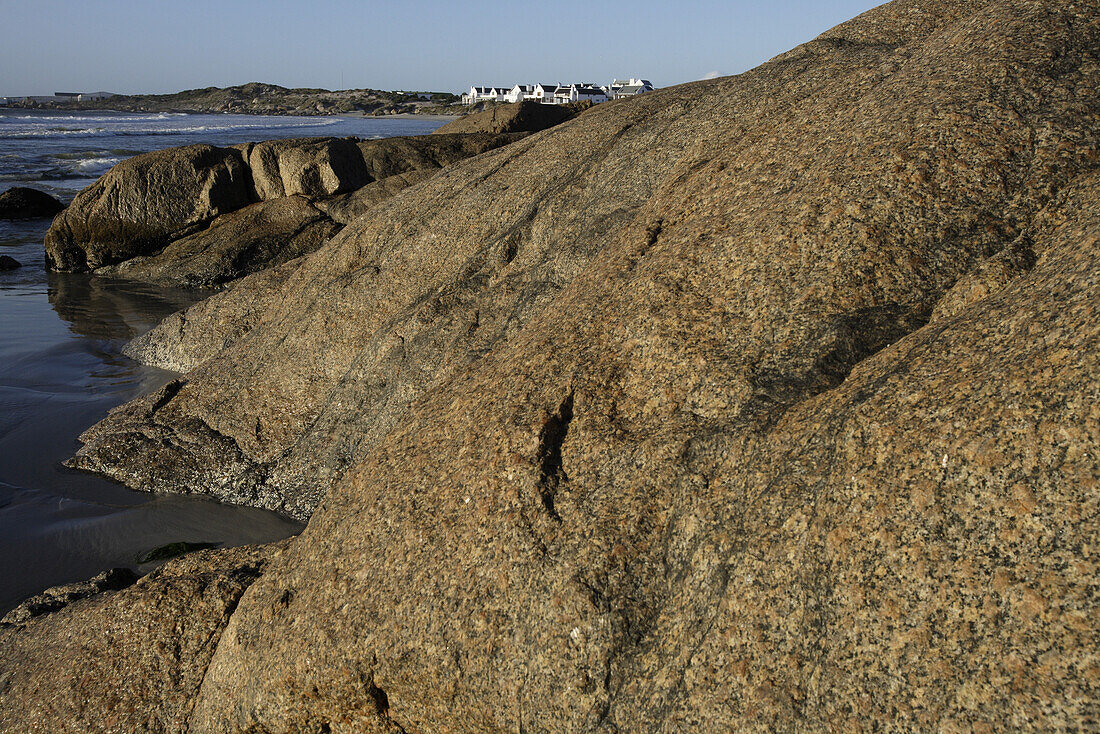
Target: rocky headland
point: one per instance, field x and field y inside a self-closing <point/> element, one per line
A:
<point x="764" y="403"/>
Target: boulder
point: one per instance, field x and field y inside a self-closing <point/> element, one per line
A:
<point x="7" y="262"/>
<point x="311" y="167"/>
<point x="21" y="202"/>
<point x="248" y="240"/>
<point x="144" y="202"/>
<point x="519" y="117"/>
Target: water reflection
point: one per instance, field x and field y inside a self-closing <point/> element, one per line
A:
<point x="61" y="370"/>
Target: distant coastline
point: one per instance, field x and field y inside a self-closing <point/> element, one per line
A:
<point x="258" y="98"/>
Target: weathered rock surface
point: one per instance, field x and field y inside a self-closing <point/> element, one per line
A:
<point x="20" y="202"/>
<point x="57" y="597"/>
<point x="204" y="216"/>
<point x="520" y="117"/>
<point x="348" y="207"/>
<point x="308" y="166"/>
<point x="188" y="337"/>
<point x="248" y="240"/>
<point x="762" y="403"/>
<point x="144" y="202"/>
<point x="59" y="673"/>
<point x="387" y="157"/>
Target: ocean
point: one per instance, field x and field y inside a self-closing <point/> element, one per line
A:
<point x="61" y="366"/>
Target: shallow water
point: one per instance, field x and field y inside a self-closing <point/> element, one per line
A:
<point x="61" y="367"/>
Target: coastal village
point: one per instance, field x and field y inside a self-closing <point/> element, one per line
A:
<point x="558" y="93"/>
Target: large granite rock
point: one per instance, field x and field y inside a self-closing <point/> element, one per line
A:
<point x="762" y="403"/>
<point x="20" y="202"/>
<point x="144" y="202"/>
<point x="251" y="239"/>
<point x="346" y="208"/>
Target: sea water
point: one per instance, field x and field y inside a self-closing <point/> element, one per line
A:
<point x="61" y="366"/>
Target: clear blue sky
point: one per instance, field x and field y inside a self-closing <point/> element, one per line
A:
<point x="132" y="46"/>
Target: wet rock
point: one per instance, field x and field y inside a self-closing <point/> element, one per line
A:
<point x="7" y="262"/>
<point x="21" y="202"/>
<point x="171" y="550"/>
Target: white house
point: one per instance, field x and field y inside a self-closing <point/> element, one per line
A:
<point x="93" y="96"/>
<point x="545" y="93"/>
<point x="520" y="92"/>
<point x="485" y="94"/>
<point x="588" y="93"/>
<point x="628" y="88"/>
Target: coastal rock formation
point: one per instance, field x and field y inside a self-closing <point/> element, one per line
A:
<point x="311" y="167"/>
<point x="387" y="157"/>
<point x="144" y="202"/>
<point x="204" y="216"/>
<point x="169" y="622"/>
<point x="7" y="262"/>
<point x="526" y="116"/>
<point x="254" y="238"/>
<point x="761" y="403"/>
<point x="21" y="202"/>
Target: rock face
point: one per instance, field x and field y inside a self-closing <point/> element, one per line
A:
<point x="204" y="216"/>
<point x="762" y="403"/>
<point x="21" y="202"/>
<point x="519" y="117"/>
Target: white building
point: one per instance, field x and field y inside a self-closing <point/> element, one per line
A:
<point x="557" y="93"/>
<point x="485" y="94"/>
<point x="520" y="92"/>
<point x="93" y="96"/>
<point x="628" y="88"/>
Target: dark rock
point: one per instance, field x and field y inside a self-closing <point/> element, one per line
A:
<point x="519" y="117"/>
<point x="144" y="202"/>
<point x="248" y="240"/>
<point x="21" y="202"/>
<point x="7" y="262"/>
<point x="171" y="550"/>
<point x="392" y="156"/>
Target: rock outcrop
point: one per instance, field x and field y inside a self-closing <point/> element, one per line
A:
<point x="145" y="202"/>
<point x="170" y="622"/>
<point x="20" y="202"/>
<point x="205" y="216"/>
<point x="519" y="117"/>
<point x="762" y="403"/>
<point x="248" y="240"/>
<point x="7" y="262"/>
